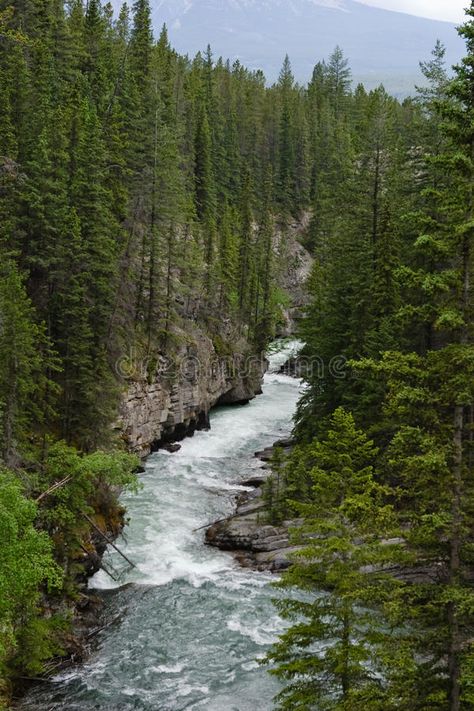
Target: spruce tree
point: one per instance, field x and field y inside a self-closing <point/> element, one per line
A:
<point x="286" y="146"/>
<point x="24" y="361"/>
<point x="430" y="399"/>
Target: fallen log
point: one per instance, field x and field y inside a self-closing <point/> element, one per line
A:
<point x="108" y="540"/>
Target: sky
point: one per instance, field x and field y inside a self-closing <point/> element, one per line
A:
<point x="451" y="10"/>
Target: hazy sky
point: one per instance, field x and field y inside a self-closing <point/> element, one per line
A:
<point x="452" y="10"/>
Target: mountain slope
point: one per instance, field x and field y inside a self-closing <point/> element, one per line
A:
<point x="381" y="45"/>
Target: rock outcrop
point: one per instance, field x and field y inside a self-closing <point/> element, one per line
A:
<point x="255" y="542"/>
<point x="296" y="367"/>
<point x="297" y="263"/>
<point x="175" y="400"/>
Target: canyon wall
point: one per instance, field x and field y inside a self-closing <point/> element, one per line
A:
<point x="176" y="399"/>
<point x="166" y="401"/>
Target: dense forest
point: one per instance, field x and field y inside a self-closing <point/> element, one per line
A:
<point x="141" y="190"/>
<point x="381" y="478"/>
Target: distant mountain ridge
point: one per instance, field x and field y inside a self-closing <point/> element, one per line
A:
<point x="382" y="46"/>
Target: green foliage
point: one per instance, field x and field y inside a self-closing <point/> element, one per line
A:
<point x="136" y="196"/>
<point x="392" y="293"/>
<point x="139" y="191"/>
<point x="42" y="536"/>
<point x="330" y="654"/>
<point x="89" y="478"/>
<point x="25" y="359"/>
<point x="26" y="568"/>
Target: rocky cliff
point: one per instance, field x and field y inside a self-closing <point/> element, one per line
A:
<point x="168" y="400"/>
<point x="174" y="400"/>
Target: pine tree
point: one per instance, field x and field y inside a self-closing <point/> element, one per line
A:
<point x="205" y="192"/>
<point x="246" y="252"/>
<point x="228" y="259"/>
<point x="339" y="80"/>
<point x="264" y="311"/>
<point x="274" y="490"/>
<point x="94" y="229"/>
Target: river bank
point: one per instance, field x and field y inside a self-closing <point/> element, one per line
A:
<point x="247" y="533"/>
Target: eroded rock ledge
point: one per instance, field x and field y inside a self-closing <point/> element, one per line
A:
<point x="255" y="543"/>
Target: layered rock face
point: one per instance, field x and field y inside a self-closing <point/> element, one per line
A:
<point x="172" y="400"/>
<point x="297" y="264"/>
<point x="255" y="543"/>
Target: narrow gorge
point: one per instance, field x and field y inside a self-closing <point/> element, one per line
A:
<point x="169" y="398"/>
<point x="236" y="360"/>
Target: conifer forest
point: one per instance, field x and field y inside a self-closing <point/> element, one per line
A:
<point x="149" y="203"/>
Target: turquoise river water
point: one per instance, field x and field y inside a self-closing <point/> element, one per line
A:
<point x="189" y="624"/>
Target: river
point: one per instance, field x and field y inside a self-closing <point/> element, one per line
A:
<point x="189" y="623"/>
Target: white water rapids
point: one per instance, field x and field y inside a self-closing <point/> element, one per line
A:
<point x="189" y="623"/>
